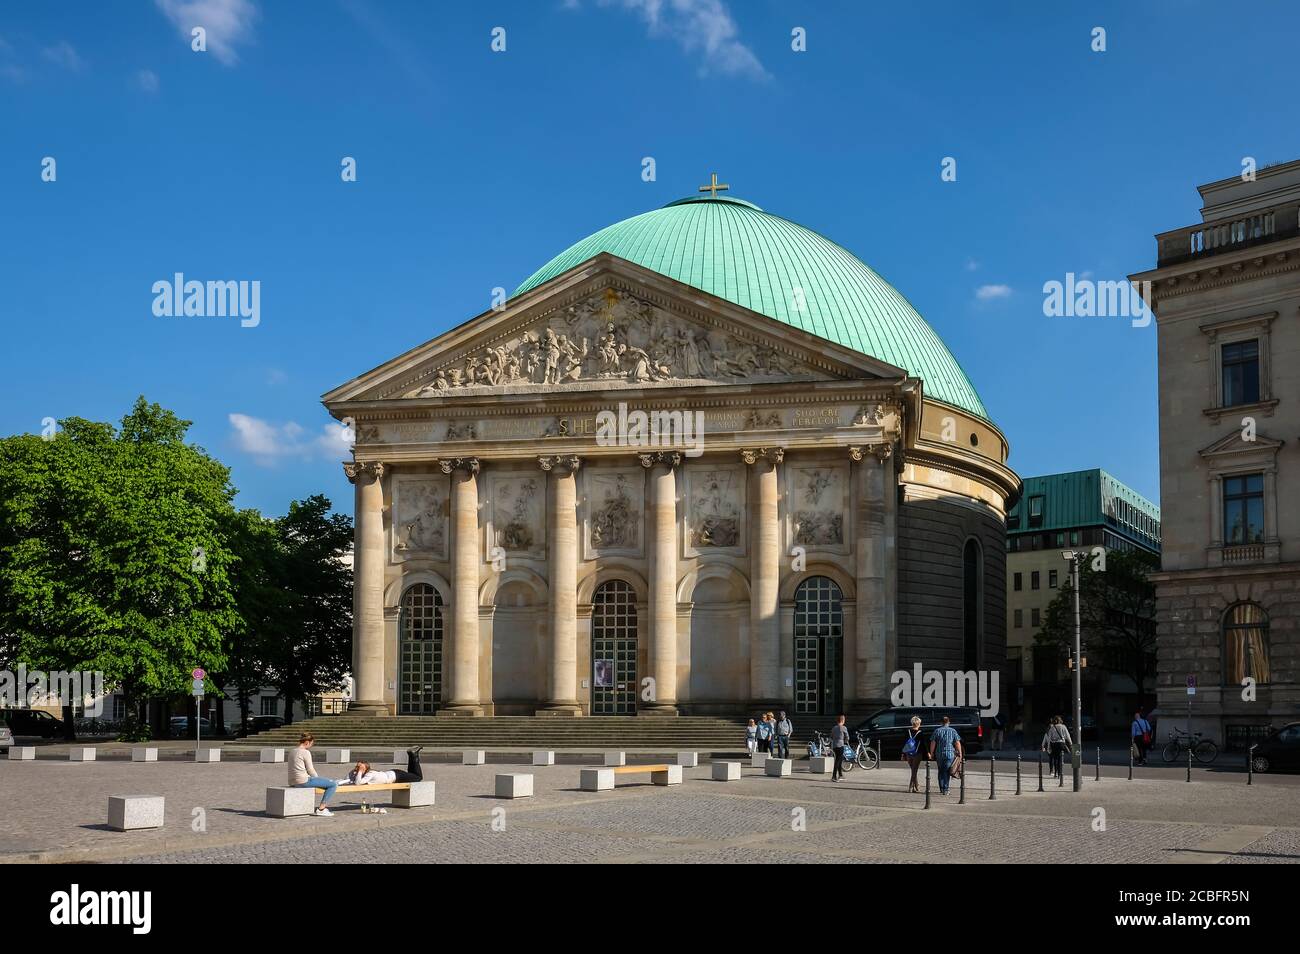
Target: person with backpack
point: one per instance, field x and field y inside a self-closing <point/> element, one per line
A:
<point x="1141" y="733"/>
<point x="945" y="750"/>
<point x="839" y="739"/>
<point x="751" y="737"/>
<point x="914" y="751"/>
<point x="765" y="734"/>
<point x="784" y="729"/>
<point x="1056" y="740"/>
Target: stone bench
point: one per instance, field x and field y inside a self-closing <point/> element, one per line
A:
<point x="284" y="802"/>
<point x="602" y="779"/>
<point x="514" y="785"/>
<point x="821" y="764"/>
<point x="688" y="759"/>
<point x="473" y="757"/>
<point x="615" y="758"/>
<point x="144" y="754"/>
<point x="758" y="760"/>
<point x="726" y="771"/>
<point x="543" y="758"/>
<point x="22" y="753"/>
<point x="337" y="756"/>
<point x="133" y="812"/>
<point x="207" y="755"/>
<point x="778" y="768"/>
<point x="81" y="753"/>
<point x="270" y="755"/>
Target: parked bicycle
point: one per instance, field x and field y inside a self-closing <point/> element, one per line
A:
<point x="860" y="753"/>
<point x="1180" y="741"/>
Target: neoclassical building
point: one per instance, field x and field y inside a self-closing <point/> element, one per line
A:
<point x="704" y="460"/>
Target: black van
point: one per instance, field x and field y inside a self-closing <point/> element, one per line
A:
<point x="36" y="722"/>
<point x="889" y="727"/>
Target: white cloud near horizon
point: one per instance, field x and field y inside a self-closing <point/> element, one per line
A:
<point x="64" y="54"/>
<point x="227" y="23"/>
<point x="991" y="292"/>
<point x="704" y="27"/>
<point x="270" y="443"/>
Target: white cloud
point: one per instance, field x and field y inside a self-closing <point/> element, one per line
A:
<point x="972" y="265"/>
<point x="63" y="54"/>
<point x="698" y="26"/>
<point x="226" y="22"/>
<point x="147" y="80"/>
<point x="990" y="292"/>
<point x="270" y="443"/>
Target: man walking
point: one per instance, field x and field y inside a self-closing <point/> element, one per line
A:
<point x="1141" y="733"/>
<point x="839" y="739"/>
<point x="784" y="729"/>
<point x="945" y="748"/>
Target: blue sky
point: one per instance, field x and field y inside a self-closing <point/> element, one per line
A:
<point x="475" y="167"/>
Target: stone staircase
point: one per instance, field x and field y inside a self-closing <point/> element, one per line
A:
<point x="515" y="733"/>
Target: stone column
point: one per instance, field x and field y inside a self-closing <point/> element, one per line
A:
<point x="562" y="570"/>
<point x="465" y="560"/>
<point x="369" y="558"/>
<point x="870" y="658"/>
<point x="764" y="577"/>
<point x="662" y="554"/>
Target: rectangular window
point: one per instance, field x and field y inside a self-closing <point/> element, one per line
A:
<point x="1020" y="618"/>
<point x="1074" y="538"/>
<point x="1033" y="616"/>
<point x="1243" y="510"/>
<point x="1240" y="362"/>
<point x="1036" y="511"/>
<point x="1060" y="539"/>
<point x="1013" y="521"/>
<point x="1035" y="578"/>
<point x="270" y="706"/>
<point x="1051" y="578"/>
<point x="1019" y="581"/>
<point x="119" y="708"/>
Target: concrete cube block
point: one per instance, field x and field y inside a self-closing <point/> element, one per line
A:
<point x="778" y="768"/>
<point x="543" y="758"/>
<point x="821" y="765"/>
<point x="131" y="812"/>
<point x="270" y="755"/>
<point x="615" y="758"/>
<point x="142" y="753"/>
<point x="596" y="780"/>
<point x="81" y="753"/>
<point x="758" y="760"/>
<point x="22" y="753"/>
<point x="514" y="785"/>
<point x="673" y="776"/>
<point x="473" y="757"/>
<point x="208" y="755"/>
<point x="285" y="802"/>
<point x="399" y="757"/>
<point x="688" y="759"/>
<point x="419" y="795"/>
<point x="338" y="756"/>
<point x="726" y="771"/>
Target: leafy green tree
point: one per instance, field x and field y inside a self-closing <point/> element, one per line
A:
<point x="112" y="557"/>
<point x="1117" y="611"/>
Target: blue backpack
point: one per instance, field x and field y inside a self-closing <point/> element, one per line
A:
<point x="912" y="744"/>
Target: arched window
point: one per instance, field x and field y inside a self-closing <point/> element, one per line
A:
<point x="613" y="649"/>
<point x="1245" y="644"/>
<point x="420" y="635"/>
<point x="972" y="587"/>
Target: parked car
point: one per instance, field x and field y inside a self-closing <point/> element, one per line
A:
<point x="6" y="737"/>
<point x="1280" y="751"/>
<point x="35" y="722"/>
<point x="256" y="724"/>
<point x="180" y="727"/>
<point x="889" y="727"/>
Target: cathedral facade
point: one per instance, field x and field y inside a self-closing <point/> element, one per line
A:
<point x="703" y="462"/>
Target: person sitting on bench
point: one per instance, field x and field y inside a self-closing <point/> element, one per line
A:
<point x="363" y="774"/>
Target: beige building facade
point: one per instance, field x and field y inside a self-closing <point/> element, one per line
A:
<point x="1226" y="294"/>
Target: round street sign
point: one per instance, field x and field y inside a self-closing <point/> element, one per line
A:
<point x="197" y="675"/>
<point x="198" y="685"/>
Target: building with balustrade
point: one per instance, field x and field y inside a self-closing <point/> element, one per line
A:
<point x="1226" y="295"/>
<point x="705" y="461"/>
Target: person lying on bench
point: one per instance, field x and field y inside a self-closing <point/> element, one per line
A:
<point x="363" y="774"/>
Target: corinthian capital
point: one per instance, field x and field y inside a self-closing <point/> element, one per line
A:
<point x="879" y="451"/>
<point x="369" y="468"/>
<point x="660" y="457"/>
<point x="450" y="464"/>
<point x="568" y="463"/>
<point x="754" y="455"/>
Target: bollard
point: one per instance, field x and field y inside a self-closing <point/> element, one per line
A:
<point x="1098" y="778"/>
<point x="1189" y="760"/>
<point x="927" y="783"/>
<point x="1040" y="770"/>
<point x="1017" y="773"/>
<point x="1061" y="774"/>
<point x="1250" y="765"/>
<point x="1130" y="762"/>
<point x="993" y="791"/>
<point x="962" y="779"/>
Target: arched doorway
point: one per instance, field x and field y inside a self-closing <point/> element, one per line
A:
<point x="419" y="684"/>
<point x="518" y="632"/>
<point x="613" y="649"/>
<point x="818" y="647"/>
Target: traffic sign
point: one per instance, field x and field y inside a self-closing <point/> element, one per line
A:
<point x="197" y="674"/>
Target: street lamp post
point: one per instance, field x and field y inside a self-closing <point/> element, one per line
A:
<point x="1076" y="559"/>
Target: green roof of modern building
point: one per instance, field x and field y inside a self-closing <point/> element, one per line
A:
<point x="1085" y="498"/>
<point x="734" y="250"/>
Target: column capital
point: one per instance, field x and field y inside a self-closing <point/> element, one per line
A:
<point x="880" y="452"/>
<point x="568" y="463"/>
<point x="370" y="468"/>
<point x="451" y="464"/>
<point x="660" y="457"/>
<point x="754" y="455"/>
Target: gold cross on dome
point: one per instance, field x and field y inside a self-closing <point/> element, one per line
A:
<point x="714" y="187"/>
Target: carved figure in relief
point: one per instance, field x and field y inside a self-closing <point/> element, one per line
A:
<point x="421" y="522"/>
<point x="717" y="518"/>
<point x="819" y="525"/>
<point x="614" y="524"/>
<point x="517" y="534"/>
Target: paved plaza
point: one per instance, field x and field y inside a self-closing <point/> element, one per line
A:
<point x="55" y="811"/>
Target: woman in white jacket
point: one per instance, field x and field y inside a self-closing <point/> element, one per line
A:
<point x="363" y="774"/>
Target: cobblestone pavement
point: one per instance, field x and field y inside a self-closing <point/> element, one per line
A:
<point x="55" y="811"/>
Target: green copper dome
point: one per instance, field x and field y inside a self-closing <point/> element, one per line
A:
<point x="736" y="251"/>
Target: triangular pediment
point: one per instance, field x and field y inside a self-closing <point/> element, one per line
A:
<point x="609" y="324"/>
<point x="1236" y="444"/>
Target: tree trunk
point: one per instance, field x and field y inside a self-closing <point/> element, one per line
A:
<point x="220" y="728"/>
<point x="69" y="724"/>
